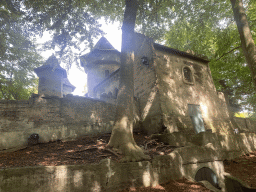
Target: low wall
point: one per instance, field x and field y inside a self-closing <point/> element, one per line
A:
<point x="112" y="176"/>
<point x="106" y="176"/>
<point x="245" y="124"/>
<point x="52" y="118"/>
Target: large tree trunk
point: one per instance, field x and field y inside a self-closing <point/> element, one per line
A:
<point x="122" y="133"/>
<point x="248" y="45"/>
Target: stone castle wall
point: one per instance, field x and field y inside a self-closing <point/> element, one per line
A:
<point x="108" y="87"/>
<point x="145" y="85"/>
<point x="53" y="118"/>
<point x="63" y="119"/>
<point x="245" y="124"/>
<point x="97" y="75"/>
<point x="176" y="94"/>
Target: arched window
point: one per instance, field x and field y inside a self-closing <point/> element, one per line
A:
<point x="187" y="75"/>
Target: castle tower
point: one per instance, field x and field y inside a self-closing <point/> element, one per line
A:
<point x="53" y="79"/>
<point x="103" y="60"/>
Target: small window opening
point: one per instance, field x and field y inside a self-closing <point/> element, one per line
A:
<point x="115" y="93"/>
<point x="110" y="94"/>
<point x="187" y="74"/>
<point x="106" y="73"/>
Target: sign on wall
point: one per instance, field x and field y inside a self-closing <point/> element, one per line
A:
<point x="196" y="117"/>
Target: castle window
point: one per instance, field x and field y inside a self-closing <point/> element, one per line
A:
<point x="106" y="73"/>
<point x="110" y="94"/>
<point x="115" y="93"/>
<point x="187" y="75"/>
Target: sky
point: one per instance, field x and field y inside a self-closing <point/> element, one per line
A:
<point x="77" y="77"/>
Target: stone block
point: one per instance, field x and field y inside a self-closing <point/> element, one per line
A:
<point x="229" y="142"/>
<point x="203" y="138"/>
<point x="234" y="184"/>
<point x="246" y="142"/>
<point x="176" y="139"/>
<point x="198" y="154"/>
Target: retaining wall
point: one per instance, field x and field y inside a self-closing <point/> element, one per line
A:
<point x="245" y="124"/>
<point x="106" y="176"/>
<point x="111" y="176"/>
<point x="52" y="118"/>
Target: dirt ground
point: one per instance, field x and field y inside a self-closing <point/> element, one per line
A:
<point x="93" y="149"/>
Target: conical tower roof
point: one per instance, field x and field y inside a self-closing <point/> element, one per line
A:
<point x="103" y="44"/>
<point x="101" y="48"/>
<point x="51" y="63"/>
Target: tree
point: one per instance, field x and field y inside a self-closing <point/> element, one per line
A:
<point x="247" y="41"/>
<point x="122" y="133"/>
<point x="18" y="56"/>
<point x="73" y="26"/>
<point x="209" y="29"/>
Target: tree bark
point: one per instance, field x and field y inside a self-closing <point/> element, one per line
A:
<point x="122" y="133"/>
<point x="247" y="41"/>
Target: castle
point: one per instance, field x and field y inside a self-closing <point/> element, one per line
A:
<point x="173" y="90"/>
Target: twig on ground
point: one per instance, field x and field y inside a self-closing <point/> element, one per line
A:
<point x="74" y="157"/>
<point x="87" y="149"/>
<point x="113" y="152"/>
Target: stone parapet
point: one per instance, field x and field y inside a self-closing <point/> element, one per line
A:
<point x="52" y="118"/>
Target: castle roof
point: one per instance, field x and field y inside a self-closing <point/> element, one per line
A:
<point x="102" y="47"/>
<point x="51" y="63"/>
<point x="178" y="52"/>
<point x="103" y="44"/>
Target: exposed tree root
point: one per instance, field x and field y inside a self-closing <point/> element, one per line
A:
<point x="122" y="139"/>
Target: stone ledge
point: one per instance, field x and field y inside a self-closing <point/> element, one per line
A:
<point x="105" y="176"/>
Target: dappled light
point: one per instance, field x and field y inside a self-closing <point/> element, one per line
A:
<point x="176" y="94"/>
<point x="146" y="178"/>
<point x="78" y="178"/>
<point x="149" y="103"/>
<point x="179" y="185"/>
<point x="96" y="187"/>
<point x="61" y="174"/>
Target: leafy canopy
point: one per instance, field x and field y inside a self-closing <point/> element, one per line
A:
<point x="209" y="28"/>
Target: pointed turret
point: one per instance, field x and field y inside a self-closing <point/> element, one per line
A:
<point x="53" y="79"/>
<point x="103" y="60"/>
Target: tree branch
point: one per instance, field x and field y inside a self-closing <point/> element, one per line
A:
<point x="228" y="52"/>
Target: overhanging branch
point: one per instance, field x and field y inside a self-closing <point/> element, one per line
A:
<point x="229" y="52"/>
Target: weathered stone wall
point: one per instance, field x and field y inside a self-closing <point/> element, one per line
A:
<point x="112" y="176"/>
<point x="245" y="124"/>
<point x="176" y="94"/>
<point x="108" y="87"/>
<point x="96" y="74"/>
<point x="145" y="89"/>
<point x="52" y="118"/>
<point x="50" y="83"/>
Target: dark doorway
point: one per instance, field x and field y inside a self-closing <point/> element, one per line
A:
<point x="207" y="174"/>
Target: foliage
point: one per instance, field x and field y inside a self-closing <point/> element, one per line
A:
<point x="209" y="29"/>
<point x="205" y="27"/>
<point x="18" y="56"/>
<point x="72" y="24"/>
<point x="242" y="115"/>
